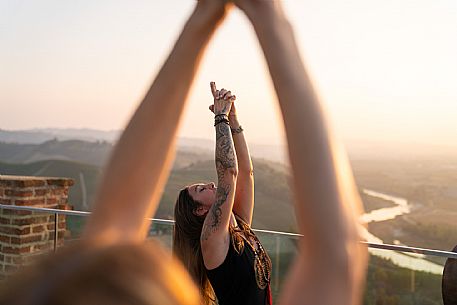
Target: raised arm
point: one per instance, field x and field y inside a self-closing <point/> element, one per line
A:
<point x="331" y="265"/>
<point x="215" y="231"/>
<point x="244" y="194"/>
<point x="139" y="165"/>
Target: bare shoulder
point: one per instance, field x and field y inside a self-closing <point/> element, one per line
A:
<point x="215" y="249"/>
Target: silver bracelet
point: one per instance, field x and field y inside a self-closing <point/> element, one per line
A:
<point x="237" y="130"/>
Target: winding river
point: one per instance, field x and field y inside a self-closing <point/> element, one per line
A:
<point x="410" y="261"/>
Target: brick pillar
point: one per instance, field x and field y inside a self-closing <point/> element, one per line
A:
<point x="25" y="234"/>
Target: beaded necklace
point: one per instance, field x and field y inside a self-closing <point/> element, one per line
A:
<point x="262" y="262"/>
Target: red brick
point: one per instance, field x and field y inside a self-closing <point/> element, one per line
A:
<point x="66" y="207"/>
<point x="38" y="229"/>
<point x="15" y="250"/>
<point x="18" y="260"/>
<point x="60" y="225"/>
<point x="5" y="239"/>
<point x="15" y="260"/>
<point x="5" y="221"/>
<point x="41" y="192"/>
<point x="18" y="181"/>
<point x="16" y="212"/>
<point x="2" y="258"/>
<point x="58" y="192"/>
<point x="26" y="240"/>
<point x="14" y="231"/>
<point x="29" y="220"/>
<point x="2" y="191"/>
<point x="60" y="235"/>
<point x="5" y="201"/>
<point x="18" y="193"/>
<point x="11" y="268"/>
<point x="30" y="202"/>
<point x="23" y="221"/>
<point x="43" y="247"/>
<point x="61" y="182"/>
<point x="51" y="201"/>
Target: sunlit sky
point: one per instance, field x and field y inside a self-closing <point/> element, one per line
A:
<point x="387" y="70"/>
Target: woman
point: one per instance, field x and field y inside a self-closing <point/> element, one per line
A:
<point x="213" y="236"/>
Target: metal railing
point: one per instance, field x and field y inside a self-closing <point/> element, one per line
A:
<point x="398" y="248"/>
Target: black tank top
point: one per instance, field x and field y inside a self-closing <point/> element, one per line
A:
<point x="244" y="276"/>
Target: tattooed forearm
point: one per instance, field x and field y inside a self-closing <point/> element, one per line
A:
<point x="225" y="151"/>
<point x="225" y="160"/>
<point x="214" y="214"/>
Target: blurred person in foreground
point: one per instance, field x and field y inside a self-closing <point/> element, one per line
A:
<point x="449" y="281"/>
<point x="212" y="234"/>
<point x="114" y="265"/>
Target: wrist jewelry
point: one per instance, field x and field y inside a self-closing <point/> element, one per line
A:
<point x="237" y="130"/>
<point x="221" y="115"/>
<point x="219" y="118"/>
<point x="216" y="122"/>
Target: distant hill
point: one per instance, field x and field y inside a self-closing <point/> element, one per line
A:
<point x="273" y="208"/>
<point x="38" y="136"/>
<point x="273" y="201"/>
<point x="94" y="153"/>
<point x="196" y="145"/>
<point x="80" y="172"/>
<point x="83" y="161"/>
<point x="275" y="153"/>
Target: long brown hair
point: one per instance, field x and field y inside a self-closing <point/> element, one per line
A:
<point x="186" y="242"/>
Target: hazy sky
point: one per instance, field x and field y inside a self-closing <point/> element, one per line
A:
<point x="387" y="70"/>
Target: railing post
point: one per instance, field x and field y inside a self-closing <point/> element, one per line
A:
<point x="413" y="281"/>
<point x="56" y="227"/>
<point x="278" y="241"/>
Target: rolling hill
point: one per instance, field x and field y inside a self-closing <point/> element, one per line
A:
<point x="273" y="210"/>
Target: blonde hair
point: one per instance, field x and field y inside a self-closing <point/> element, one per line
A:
<point x="120" y="274"/>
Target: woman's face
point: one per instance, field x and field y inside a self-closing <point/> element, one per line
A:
<point x="204" y="194"/>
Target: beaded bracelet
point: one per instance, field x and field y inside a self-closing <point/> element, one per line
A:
<point x="221" y="115"/>
<point x="216" y="122"/>
<point x="237" y="130"/>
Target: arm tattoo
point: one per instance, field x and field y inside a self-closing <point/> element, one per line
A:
<point x="225" y="151"/>
<point x="215" y="212"/>
<point x="225" y="159"/>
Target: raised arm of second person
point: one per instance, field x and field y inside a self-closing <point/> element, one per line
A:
<point x="331" y="266"/>
<point x="215" y="233"/>
<point x="139" y="165"/>
<point x="244" y="195"/>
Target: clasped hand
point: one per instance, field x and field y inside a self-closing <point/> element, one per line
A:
<point x="223" y="101"/>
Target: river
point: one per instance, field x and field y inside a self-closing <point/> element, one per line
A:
<point x="410" y="261"/>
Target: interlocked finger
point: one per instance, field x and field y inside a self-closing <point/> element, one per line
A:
<point x="228" y="95"/>
<point x="222" y="93"/>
